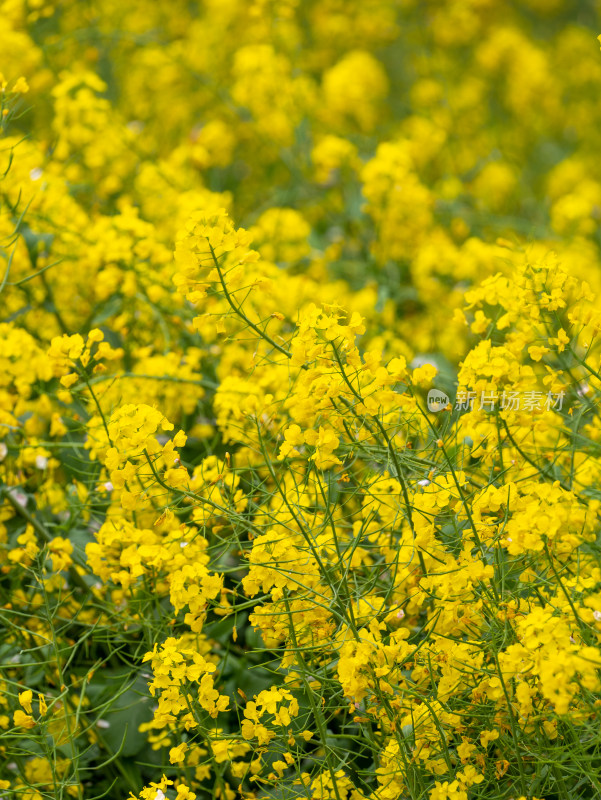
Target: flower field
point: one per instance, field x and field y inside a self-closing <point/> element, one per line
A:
<point x="300" y="384"/>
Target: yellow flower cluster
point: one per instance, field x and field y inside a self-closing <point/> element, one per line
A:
<point x="300" y="378"/>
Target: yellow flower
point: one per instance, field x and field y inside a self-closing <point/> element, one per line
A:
<point x="536" y="352"/>
<point x="486" y="737"/>
<point x="20" y="86"/>
<point x="25" y="700"/>
<point x="22" y="720"/>
<point x="176" y="754"/>
<point x="422" y="376"/>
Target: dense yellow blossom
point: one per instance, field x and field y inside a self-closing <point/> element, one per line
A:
<point x="300" y="369"/>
